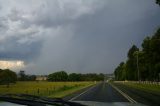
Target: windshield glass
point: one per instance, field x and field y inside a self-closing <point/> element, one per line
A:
<point x="80" y="52"/>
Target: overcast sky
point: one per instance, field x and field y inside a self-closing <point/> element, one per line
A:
<point x="84" y="36"/>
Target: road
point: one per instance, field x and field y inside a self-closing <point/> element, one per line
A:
<point x="141" y="96"/>
<point x="105" y="92"/>
<point x="102" y="92"/>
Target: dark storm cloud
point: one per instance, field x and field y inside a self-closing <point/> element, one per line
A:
<point x="19" y="45"/>
<point x="101" y="40"/>
<point x="12" y="50"/>
<point x="77" y="36"/>
<point x="107" y="35"/>
<point x="3" y="25"/>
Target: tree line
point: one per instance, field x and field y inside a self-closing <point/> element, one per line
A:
<point x="8" y="76"/>
<point x="63" y="76"/>
<point x="23" y="77"/>
<point x="142" y="64"/>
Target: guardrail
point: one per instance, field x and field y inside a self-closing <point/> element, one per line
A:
<point x="140" y="82"/>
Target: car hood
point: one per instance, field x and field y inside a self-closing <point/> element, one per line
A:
<point x="94" y="103"/>
<point x="9" y="104"/>
<point x="87" y="103"/>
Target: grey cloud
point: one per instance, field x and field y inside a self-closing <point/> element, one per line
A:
<point x="18" y="43"/>
<point x="14" y="15"/>
<point x="55" y="13"/>
<point x="100" y="41"/>
<point x="3" y="25"/>
<point x="107" y="35"/>
<point x="12" y="50"/>
<point x="19" y="34"/>
<point x="77" y="36"/>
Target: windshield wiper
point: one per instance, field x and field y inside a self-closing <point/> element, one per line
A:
<point x="31" y="100"/>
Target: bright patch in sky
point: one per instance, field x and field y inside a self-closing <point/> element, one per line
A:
<point x="11" y="64"/>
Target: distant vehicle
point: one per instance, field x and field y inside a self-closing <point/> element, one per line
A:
<point x="30" y="100"/>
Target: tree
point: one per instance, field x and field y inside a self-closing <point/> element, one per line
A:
<point x="7" y="76"/>
<point x="58" y="76"/>
<point x="154" y="55"/>
<point x="131" y="64"/>
<point x="147" y="61"/>
<point x="22" y="76"/>
<point x="101" y="77"/>
<point x="63" y="76"/>
<point x="92" y="77"/>
<point x="30" y="77"/>
<point x="158" y="2"/>
<point x="74" y="77"/>
<point x="151" y="51"/>
<point x="120" y="72"/>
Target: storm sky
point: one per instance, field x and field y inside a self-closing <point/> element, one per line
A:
<point x="82" y="36"/>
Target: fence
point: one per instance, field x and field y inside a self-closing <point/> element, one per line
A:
<point x="139" y="82"/>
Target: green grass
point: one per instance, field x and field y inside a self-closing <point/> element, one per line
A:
<point x="50" y="89"/>
<point x="145" y="87"/>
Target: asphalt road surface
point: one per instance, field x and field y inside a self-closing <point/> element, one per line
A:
<point x="145" y="97"/>
<point x="105" y="92"/>
<point x="102" y="92"/>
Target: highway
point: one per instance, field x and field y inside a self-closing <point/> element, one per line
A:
<point x="105" y="92"/>
<point x="102" y="92"/>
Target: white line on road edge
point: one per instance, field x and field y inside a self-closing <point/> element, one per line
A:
<point x="125" y="95"/>
<point x="82" y="93"/>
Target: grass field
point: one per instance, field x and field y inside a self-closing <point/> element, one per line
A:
<point x="145" y="87"/>
<point x="50" y="89"/>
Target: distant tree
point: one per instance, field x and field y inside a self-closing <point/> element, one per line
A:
<point x="92" y="77"/>
<point x="158" y="2"/>
<point x="7" y="76"/>
<point x="30" y="77"/>
<point x="58" y="76"/>
<point x="63" y="76"/>
<point x="101" y="77"/>
<point x="22" y="76"/>
<point x="74" y="77"/>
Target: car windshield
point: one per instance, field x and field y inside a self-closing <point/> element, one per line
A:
<point x="80" y="53"/>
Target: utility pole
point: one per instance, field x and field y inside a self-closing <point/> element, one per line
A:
<point x="138" y="66"/>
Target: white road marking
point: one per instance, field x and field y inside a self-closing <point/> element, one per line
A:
<point x="125" y="95"/>
<point x="83" y="93"/>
